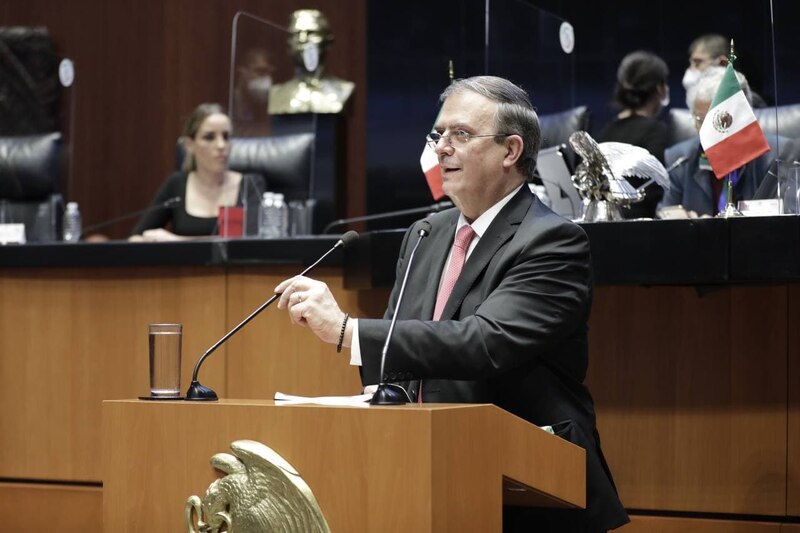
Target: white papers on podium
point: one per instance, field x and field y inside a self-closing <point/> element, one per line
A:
<point x="360" y="400"/>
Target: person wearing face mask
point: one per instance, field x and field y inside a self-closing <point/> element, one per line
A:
<point x="312" y="90"/>
<point x="692" y="182"/>
<point x="203" y="185"/>
<point x="251" y="95"/>
<point x="709" y="50"/>
<point x="641" y="92"/>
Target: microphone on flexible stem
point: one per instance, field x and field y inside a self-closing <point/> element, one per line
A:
<point x="198" y="392"/>
<point x="163" y="205"/>
<point x="388" y="393"/>
<point x="433" y="208"/>
<point x="678" y="162"/>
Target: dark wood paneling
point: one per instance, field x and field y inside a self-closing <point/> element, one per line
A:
<point x="793" y="377"/>
<point x="142" y="67"/>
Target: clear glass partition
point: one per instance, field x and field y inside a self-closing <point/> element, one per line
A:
<point x="407" y="68"/>
<point x="534" y="48"/>
<point x="260" y="60"/>
<point x="781" y="91"/>
<point x="786" y="41"/>
<point x="291" y="152"/>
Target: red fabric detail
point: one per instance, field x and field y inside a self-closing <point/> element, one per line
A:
<point x="737" y="150"/>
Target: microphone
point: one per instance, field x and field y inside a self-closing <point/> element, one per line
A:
<point x="388" y="393"/>
<point x="163" y="205"/>
<point x="198" y="392"/>
<point x="678" y="162"/>
<point x="433" y="208"/>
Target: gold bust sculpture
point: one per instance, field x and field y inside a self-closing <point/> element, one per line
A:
<point x="311" y="90"/>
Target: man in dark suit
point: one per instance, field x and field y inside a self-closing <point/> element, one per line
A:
<point x="512" y="331"/>
<point x="692" y="182"/>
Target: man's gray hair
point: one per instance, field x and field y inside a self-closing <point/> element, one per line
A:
<point x="515" y="114"/>
<point x="713" y="44"/>
<point x="706" y="87"/>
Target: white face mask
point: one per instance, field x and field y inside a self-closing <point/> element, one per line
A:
<point x="690" y="77"/>
<point x="665" y="100"/>
<point x="311" y="57"/>
<point x="259" y="88"/>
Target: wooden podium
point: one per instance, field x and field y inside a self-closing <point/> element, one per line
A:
<point x="429" y="468"/>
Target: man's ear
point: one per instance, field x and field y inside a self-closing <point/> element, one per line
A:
<point x="514" y="146"/>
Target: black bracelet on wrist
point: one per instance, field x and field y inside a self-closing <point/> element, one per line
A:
<point x="341" y="333"/>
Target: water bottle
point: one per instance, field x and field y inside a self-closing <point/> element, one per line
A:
<point x="266" y="217"/>
<point x="281" y="216"/>
<point x="72" y="223"/>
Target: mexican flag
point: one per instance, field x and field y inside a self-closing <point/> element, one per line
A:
<point x="730" y="135"/>
<point x="429" y="162"/>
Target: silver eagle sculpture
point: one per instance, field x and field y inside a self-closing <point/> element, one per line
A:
<point x="600" y="177"/>
<point x="261" y="492"/>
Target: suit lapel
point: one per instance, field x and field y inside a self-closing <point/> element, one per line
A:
<point x="499" y="231"/>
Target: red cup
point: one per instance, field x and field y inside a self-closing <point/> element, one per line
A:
<point x="230" y="221"/>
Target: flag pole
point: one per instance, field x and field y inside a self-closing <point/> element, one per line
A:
<point x="730" y="210"/>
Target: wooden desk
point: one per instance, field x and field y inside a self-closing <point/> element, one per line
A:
<point x="358" y="461"/>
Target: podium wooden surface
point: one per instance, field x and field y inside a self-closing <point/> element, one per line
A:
<point x="429" y="468"/>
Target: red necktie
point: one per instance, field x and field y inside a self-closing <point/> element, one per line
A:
<point x="457" y="258"/>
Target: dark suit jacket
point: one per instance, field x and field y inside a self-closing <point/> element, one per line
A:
<point x="513" y="333"/>
<point x="691" y="187"/>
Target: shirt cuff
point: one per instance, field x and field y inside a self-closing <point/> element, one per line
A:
<point x="355" y="346"/>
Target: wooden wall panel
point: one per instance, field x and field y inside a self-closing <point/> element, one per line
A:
<point x="690" y="393"/>
<point x="142" y="67"/>
<point x="72" y="338"/>
<point x="793" y="386"/>
<point x="271" y="354"/>
<point x="33" y="508"/>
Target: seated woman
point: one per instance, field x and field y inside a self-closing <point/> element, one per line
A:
<point x="204" y="185"/>
<point x="641" y="91"/>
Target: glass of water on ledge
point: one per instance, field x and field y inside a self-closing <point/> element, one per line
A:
<point x="165" y="360"/>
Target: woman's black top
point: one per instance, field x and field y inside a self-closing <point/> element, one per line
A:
<point x="182" y="223"/>
<point x="650" y="134"/>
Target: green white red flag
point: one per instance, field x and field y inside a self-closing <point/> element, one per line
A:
<point x="429" y="162"/>
<point x="730" y="135"/>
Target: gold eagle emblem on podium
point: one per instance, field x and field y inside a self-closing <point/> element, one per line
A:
<point x="261" y="492"/>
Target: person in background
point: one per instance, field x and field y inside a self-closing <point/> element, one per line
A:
<point x="692" y="182"/>
<point x="203" y="185"/>
<point x="641" y="92"/>
<point x="312" y="89"/>
<point x="511" y="327"/>
<point x="708" y="50"/>
<point x="254" y="76"/>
